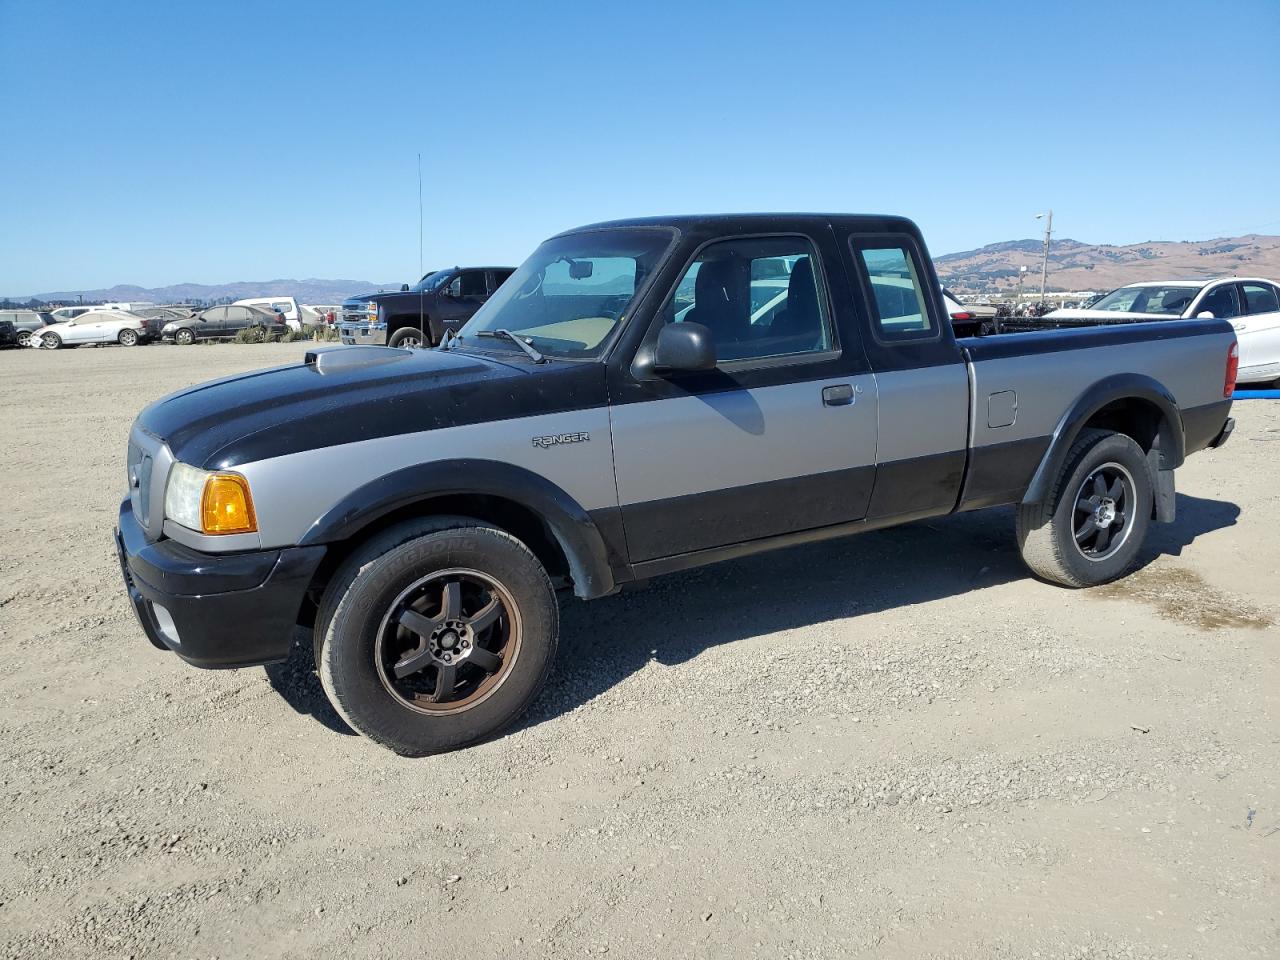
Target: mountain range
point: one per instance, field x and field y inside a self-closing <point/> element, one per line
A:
<point x="307" y="291"/>
<point x="1100" y="267"/>
<point x="1073" y="265"/>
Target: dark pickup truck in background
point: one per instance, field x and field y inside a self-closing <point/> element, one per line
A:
<point x="419" y="316"/>
<point x="641" y="397"/>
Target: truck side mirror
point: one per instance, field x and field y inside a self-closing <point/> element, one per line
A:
<point x="684" y="347"/>
<point x="455" y="288"/>
<point x="404" y="288"/>
<point x="1205" y="315"/>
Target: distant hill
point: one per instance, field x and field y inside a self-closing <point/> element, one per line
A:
<point x="1088" y="266"/>
<point x="307" y="291"/>
<point x="991" y="269"/>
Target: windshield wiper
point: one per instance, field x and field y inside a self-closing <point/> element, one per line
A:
<point x="505" y="334"/>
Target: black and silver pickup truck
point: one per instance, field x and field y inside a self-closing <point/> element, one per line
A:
<point x="640" y="398"/>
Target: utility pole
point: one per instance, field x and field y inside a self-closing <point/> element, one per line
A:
<point x="1044" y="263"/>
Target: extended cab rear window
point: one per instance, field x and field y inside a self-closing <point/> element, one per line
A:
<point x="899" y="306"/>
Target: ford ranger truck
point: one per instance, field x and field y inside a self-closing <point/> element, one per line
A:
<point x="421" y="316"/>
<point x="640" y="398"/>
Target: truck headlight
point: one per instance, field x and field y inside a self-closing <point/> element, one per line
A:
<point x="210" y="502"/>
<point x="372" y="310"/>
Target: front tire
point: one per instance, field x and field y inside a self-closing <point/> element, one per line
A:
<point x="409" y="337"/>
<point x="24" y="338"/>
<point x="436" y="634"/>
<point x="1091" y="527"/>
<point x="184" y="338"/>
<point x="51" y="341"/>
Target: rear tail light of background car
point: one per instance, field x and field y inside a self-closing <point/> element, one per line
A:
<point x="1233" y="368"/>
<point x="964" y="315"/>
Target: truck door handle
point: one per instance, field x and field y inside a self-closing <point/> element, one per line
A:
<point x="1241" y="326"/>
<point x="840" y="395"/>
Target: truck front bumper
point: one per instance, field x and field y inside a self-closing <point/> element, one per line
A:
<point x="363" y="333"/>
<point x="214" y="610"/>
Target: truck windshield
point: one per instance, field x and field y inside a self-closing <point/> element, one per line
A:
<point x="569" y="297"/>
<point x="1157" y="299"/>
<point x="432" y="280"/>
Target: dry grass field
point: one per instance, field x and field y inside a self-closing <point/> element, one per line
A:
<point x="898" y="745"/>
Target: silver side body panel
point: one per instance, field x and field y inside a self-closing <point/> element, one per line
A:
<point x="695" y="444"/>
<point x="291" y="492"/>
<point x="1047" y="384"/>
<point x="922" y="412"/>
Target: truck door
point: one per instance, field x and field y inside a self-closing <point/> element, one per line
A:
<point x="921" y="379"/>
<point x="464" y="295"/>
<point x="780" y="437"/>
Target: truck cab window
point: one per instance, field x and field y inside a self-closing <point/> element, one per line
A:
<point x="758" y="297"/>
<point x="898" y="296"/>
<point x="473" y="284"/>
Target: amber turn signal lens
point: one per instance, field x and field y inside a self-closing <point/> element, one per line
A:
<point x="227" y="506"/>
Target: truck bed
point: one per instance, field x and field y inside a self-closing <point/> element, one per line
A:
<point x="1002" y="325"/>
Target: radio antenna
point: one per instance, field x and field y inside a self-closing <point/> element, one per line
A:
<point x="419" y="214"/>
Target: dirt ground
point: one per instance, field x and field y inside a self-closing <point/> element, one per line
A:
<point x="893" y="745"/>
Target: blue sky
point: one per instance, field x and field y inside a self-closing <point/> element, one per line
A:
<point x="168" y="142"/>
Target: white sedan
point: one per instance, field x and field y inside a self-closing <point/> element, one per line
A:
<point x="1252" y="304"/>
<point x="96" y="326"/>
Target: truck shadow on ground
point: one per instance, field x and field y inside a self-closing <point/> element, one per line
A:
<point x="678" y="616"/>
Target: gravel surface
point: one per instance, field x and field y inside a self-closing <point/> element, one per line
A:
<point x="893" y="745"/>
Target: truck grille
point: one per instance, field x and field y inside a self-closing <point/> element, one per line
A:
<point x="146" y="470"/>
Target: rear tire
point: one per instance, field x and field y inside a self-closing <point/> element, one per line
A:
<point x="473" y="595"/>
<point x="409" y="337"/>
<point x="128" y="338"/>
<point x="1089" y="530"/>
<point x="184" y="337"/>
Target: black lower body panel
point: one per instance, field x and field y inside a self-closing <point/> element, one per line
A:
<point x="232" y="610"/>
<point x="664" y="528"/>
<point x="918" y="485"/>
<point x="1001" y="472"/>
<point x="1203" y="425"/>
<point x="1228" y="428"/>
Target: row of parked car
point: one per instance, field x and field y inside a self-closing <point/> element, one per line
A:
<point x="130" y="324"/>
<point x="443" y="300"/>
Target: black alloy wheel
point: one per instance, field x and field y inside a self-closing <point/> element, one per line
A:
<point x="448" y="641"/>
<point x="1103" y="512"/>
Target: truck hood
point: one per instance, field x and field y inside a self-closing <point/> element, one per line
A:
<point x="346" y="394"/>
<point x="372" y="297"/>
